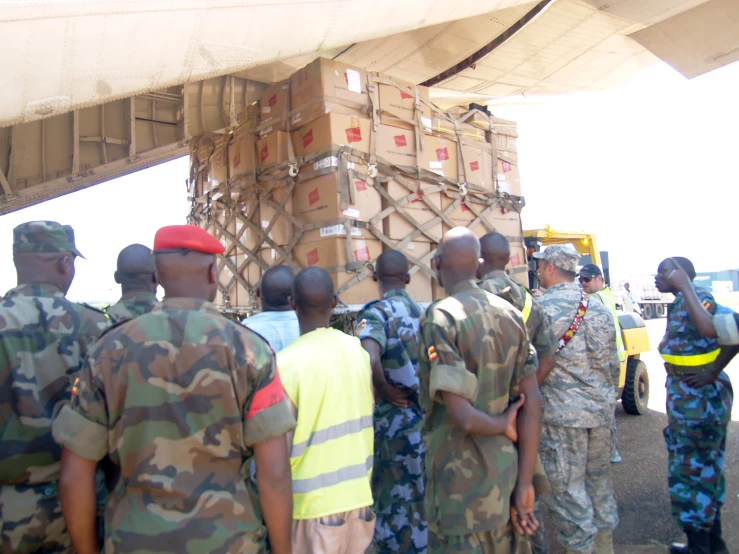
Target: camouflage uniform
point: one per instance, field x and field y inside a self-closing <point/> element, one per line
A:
<point x="544" y="345"/>
<point x="43" y="339"/>
<point x="194" y="392"/>
<point x="697" y="422"/>
<point x="474" y="345"/>
<point x="397" y="478"/>
<point x="132" y="304"/>
<point x="579" y="401"/>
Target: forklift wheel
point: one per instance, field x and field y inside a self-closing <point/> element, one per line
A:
<point x="635" y="396"/>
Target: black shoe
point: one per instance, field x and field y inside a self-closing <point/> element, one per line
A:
<point x="699" y="542"/>
<point x="679" y="548"/>
<point x="718" y="546"/>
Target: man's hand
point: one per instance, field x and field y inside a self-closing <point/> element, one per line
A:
<point x="522" y="510"/>
<point x="700" y="378"/>
<point x="536" y="292"/>
<point x="511" y="414"/>
<point x="678" y="278"/>
<point x="393" y="395"/>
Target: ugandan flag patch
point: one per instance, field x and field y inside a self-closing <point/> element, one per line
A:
<point x="75" y="386"/>
<point x="707" y="305"/>
<point x="432" y="353"/>
<point x="362" y="325"/>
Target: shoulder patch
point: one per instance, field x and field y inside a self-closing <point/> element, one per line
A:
<point x="707" y="305"/>
<point x="432" y="353"/>
<point x="361" y="325"/>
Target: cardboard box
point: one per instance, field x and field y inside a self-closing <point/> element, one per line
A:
<point x="302" y="115"/>
<point x="332" y="129"/>
<point x="506" y="133"/>
<point x="274" y="104"/>
<point x="440" y="156"/>
<point x="218" y="169"/>
<point x="478" y="164"/>
<point x="282" y="229"/>
<point x="396" y="227"/>
<point x="397" y="102"/>
<point x="247" y="119"/>
<point x="319" y="199"/>
<point x="331" y="252"/>
<point x="440" y="125"/>
<point x="271" y="150"/>
<point x="333" y="80"/>
<point x="241" y="156"/>
<point x="420" y="288"/>
<point x="397" y="146"/>
<point x="507" y="177"/>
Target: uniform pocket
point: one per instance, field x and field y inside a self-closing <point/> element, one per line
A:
<point x="330" y="537"/>
<point x="552" y="458"/>
<point x="362" y="530"/>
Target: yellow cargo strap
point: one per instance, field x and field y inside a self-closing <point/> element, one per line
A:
<point x="527" y="306"/>
<point x="691" y="361"/>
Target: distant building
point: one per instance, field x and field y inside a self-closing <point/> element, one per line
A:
<point x="719" y="281"/>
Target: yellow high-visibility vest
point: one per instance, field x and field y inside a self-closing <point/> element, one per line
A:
<point x="609" y="302"/>
<point x="527" y="306"/>
<point x="327" y="376"/>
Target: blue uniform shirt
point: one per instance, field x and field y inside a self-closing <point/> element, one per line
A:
<point x="682" y="338"/>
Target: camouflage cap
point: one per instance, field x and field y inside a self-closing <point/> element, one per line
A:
<point x="44" y="237"/>
<point x="563" y="256"/>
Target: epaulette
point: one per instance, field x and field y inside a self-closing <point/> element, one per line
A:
<point x="114" y="325"/>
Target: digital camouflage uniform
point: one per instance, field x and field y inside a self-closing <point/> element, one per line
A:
<point x="697" y="422"/>
<point x="398" y="478"/>
<point x="177" y="398"/>
<point x="43" y="339"/>
<point x="544" y="344"/>
<point x="132" y="304"/>
<point x="474" y="345"/>
<point x="579" y="401"/>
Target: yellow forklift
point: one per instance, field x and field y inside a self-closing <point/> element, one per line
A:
<point x="634" y="378"/>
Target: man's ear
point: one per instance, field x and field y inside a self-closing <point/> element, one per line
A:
<point x="65" y="265"/>
<point x="293" y="304"/>
<point x="334" y="301"/>
<point x="212" y="274"/>
<point x="117" y="278"/>
<point x="374" y="276"/>
<point x="407" y="278"/>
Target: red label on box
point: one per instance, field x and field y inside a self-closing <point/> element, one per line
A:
<point x="264" y="153"/>
<point x="307" y="138"/>
<point x="314" y="196"/>
<point x="362" y="255"/>
<point x="237" y="160"/>
<point x="474" y="166"/>
<point x="442" y="154"/>
<point x="400" y="140"/>
<point x="404" y="95"/>
<point x="360" y="185"/>
<point x="273" y="101"/>
<point x="353" y="134"/>
<point x="464" y="207"/>
<point x="506" y="166"/>
<point x="313" y="257"/>
<point x="515" y="260"/>
<point x="419" y="197"/>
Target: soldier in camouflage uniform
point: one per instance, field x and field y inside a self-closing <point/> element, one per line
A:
<point x="181" y="399"/>
<point x="43" y="339"/>
<point x="474" y="347"/>
<point x="699" y="402"/>
<point x="579" y="399"/>
<point x="389" y="331"/>
<point x="496" y="253"/>
<point x="135" y="274"/>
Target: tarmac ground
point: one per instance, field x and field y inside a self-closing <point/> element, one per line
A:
<point x="640" y="480"/>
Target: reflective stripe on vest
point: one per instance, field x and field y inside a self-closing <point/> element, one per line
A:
<point x="610" y="303"/>
<point x="527" y="306"/>
<point x="693" y="360"/>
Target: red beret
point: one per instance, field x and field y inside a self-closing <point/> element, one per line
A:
<point x="186" y="237"/>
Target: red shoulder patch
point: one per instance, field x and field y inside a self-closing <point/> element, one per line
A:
<point x="267" y="396"/>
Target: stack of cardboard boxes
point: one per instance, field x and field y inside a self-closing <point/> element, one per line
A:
<point x="335" y="148"/>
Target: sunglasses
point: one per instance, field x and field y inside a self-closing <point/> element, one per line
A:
<point x="586" y="279"/>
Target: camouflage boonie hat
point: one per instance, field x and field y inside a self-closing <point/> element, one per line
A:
<point x="563" y="256"/>
<point x="44" y="237"/>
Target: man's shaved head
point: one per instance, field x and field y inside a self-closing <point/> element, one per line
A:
<point x="313" y="291"/>
<point x="53" y="268"/>
<point x="457" y="257"/>
<point x="495" y="251"/>
<point x="391" y="270"/>
<point x="187" y="274"/>
<point x="276" y="287"/>
<point x="135" y="269"/>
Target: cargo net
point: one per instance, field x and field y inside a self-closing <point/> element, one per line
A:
<point x="263" y="216"/>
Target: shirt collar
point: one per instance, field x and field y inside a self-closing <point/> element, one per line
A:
<point x="183" y="303"/>
<point x="36" y="289"/>
<point x="462" y="286"/>
<point x="564" y="286"/>
<point x="138" y="295"/>
<point x="395" y="292"/>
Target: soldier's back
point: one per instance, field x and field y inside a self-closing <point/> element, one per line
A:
<point x="173" y="388"/>
<point x="132" y="305"/>
<point x="475" y="338"/>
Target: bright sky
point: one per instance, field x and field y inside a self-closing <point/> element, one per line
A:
<point x="649" y="167"/>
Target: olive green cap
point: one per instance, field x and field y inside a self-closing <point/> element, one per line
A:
<point x="44" y="237"/>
